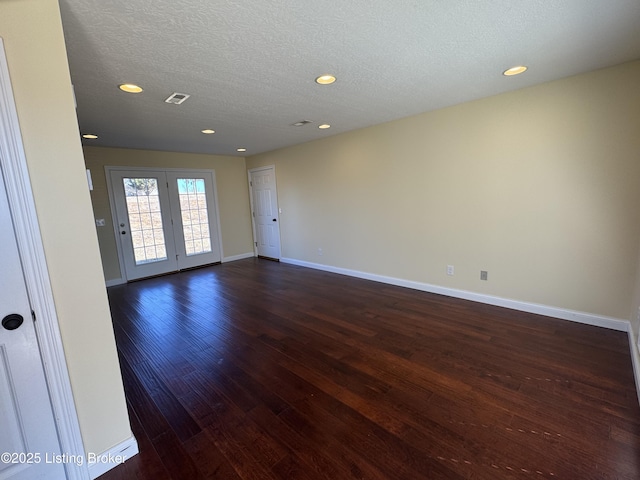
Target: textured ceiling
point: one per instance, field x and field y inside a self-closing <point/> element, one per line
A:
<point x="250" y="65"/>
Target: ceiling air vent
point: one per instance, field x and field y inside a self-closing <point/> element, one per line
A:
<point x="300" y="123"/>
<point x="177" y="98"/>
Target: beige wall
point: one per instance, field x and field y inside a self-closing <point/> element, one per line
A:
<point x="32" y="33"/>
<point x="231" y="183"/>
<point x="540" y="187"/>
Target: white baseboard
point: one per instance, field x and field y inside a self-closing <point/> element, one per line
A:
<point x="113" y="457"/>
<point x="115" y="281"/>
<point x="242" y="256"/>
<point x="561" y="313"/>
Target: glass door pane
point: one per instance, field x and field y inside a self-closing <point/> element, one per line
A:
<point x="195" y="218"/>
<point x="145" y="219"/>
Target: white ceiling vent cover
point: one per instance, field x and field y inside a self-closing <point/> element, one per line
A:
<point x="177" y="98"/>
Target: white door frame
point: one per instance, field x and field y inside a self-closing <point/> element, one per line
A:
<point x="253" y="218"/>
<point x="34" y="266"/>
<point x="114" y="216"/>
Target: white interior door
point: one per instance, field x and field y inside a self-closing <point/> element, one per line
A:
<point x="167" y="220"/>
<point x="264" y="202"/>
<point x="28" y="438"/>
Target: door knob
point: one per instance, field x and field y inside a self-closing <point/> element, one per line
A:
<point x="275" y="220"/>
<point x="12" y="321"/>
<point x="123" y="232"/>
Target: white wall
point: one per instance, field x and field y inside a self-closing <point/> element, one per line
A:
<point x="540" y="187"/>
<point x="34" y="44"/>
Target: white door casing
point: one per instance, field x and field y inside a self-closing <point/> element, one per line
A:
<point x="265" y="213"/>
<point x="174" y="213"/>
<point x="36" y="277"/>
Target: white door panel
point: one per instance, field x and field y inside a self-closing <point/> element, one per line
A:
<point x="144" y="222"/>
<point x="195" y="221"/>
<point x="265" y="212"/>
<point x="27" y="429"/>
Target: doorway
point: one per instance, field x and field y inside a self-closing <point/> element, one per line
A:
<point x="265" y="212"/>
<point x="165" y="220"/>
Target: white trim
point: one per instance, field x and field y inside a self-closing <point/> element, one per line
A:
<point x="242" y="256"/>
<point x="114" y="223"/>
<point x="21" y="204"/>
<point x="115" y="281"/>
<point x="634" y="347"/>
<point x="561" y="313"/>
<point x="124" y="450"/>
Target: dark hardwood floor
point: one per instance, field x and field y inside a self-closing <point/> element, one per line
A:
<point x="260" y="370"/>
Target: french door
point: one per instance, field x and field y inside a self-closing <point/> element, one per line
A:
<point x="166" y="220"/>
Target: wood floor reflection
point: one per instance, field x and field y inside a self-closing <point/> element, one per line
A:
<point x="260" y="370"/>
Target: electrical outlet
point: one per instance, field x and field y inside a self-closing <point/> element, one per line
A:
<point x="449" y="269"/>
<point x="484" y="275"/>
<point x="320" y="252"/>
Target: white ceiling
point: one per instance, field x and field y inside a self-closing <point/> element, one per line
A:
<point x="250" y="65"/>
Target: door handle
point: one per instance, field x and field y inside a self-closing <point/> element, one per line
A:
<point x="275" y="219"/>
<point x="123" y="232"/>
<point x="12" y="321"/>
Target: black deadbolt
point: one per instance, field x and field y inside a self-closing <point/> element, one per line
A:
<point x="12" y="321"/>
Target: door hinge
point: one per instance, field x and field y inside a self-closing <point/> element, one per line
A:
<point x="254" y="214"/>
<point x="167" y="184"/>
<point x="256" y="244"/>
<point x="33" y="315"/>
<point x="251" y="183"/>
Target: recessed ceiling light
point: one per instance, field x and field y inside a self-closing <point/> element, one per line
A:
<point x="515" y="70"/>
<point x="208" y="131"/>
<point x="325" y="79"/>
<point x="130" y="88"/>
<point x="324" y="125"/>
<point x="90" y="136"/>
<point x="242" y="150"/>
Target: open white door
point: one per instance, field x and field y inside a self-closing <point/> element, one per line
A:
<point x="28" y="438"/>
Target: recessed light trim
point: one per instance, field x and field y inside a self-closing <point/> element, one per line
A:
<point x="517" y="70"/>
<point x="326" y="79"/>
<point x="90" y="136"/>
<point x="208" y="131"/>
<point x="324" y="126"/>
<point x="130" y="88"/>
<point x="241" y="150"/>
